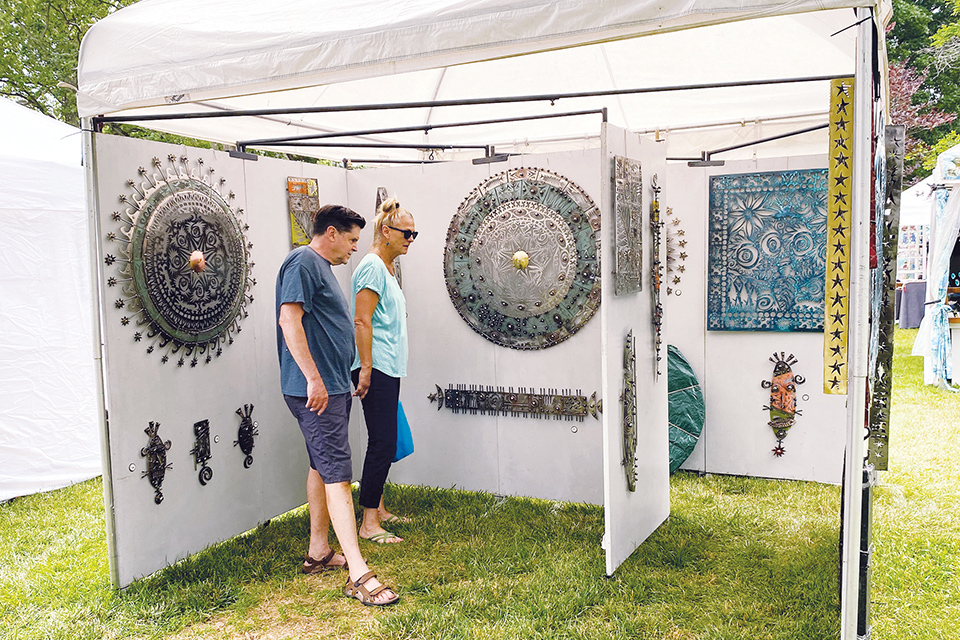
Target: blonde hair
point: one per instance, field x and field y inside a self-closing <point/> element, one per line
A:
<point x="388" y="214"/>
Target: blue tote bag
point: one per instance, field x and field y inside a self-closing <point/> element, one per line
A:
<point x="404" y="437"/>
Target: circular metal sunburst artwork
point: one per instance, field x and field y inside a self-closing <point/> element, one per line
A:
<point x="522" y="259"/>
<point x="183" y="264"/>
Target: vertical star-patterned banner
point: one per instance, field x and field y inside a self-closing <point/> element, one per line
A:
<point x="840" y="194"/>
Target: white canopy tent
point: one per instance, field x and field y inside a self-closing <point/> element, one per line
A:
<point x="306" y="54"/>
<point x="48" y="421"/>
<point x="311" y="69"/>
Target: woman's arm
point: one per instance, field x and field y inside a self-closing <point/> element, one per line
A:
<point x="366" y="302"/>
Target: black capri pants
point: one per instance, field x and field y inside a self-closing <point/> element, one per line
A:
<point x="380" y="414"/>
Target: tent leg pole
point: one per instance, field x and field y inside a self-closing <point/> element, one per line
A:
<point x="857" y="347"/>
<point x="96" y="262"/>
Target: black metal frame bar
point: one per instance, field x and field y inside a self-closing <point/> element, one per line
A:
<point x="707" y="155"/>
<point x="426" y="128"/>
<point x="551" y="97"/>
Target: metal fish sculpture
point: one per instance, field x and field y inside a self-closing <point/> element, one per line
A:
<point x="783" y="397"/>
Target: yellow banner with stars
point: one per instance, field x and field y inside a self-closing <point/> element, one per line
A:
<point x="836" y="304"/>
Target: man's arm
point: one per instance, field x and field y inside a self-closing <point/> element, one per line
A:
<point x="291" y="322"/>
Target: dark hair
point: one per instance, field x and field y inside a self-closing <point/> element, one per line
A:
<point x="337" y="216"/>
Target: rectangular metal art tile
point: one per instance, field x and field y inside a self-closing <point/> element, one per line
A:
<point x="628" y="230"/>
<point x="767" y="251"/>
<point x="304" y="201"/>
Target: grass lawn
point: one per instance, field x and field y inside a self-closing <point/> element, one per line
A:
<point x="738" y="558"/>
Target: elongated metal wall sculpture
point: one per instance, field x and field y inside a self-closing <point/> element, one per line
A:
<point x="522" y="259"/>
<point x="303" y="201"/>
<point x="882" y="375"/>
<point x="766" y="259"/>
<point x="656" y="272"/>
<point x="837" y="302"/>
<point x="548" y="403"/>
<point x="201" y="450"/>
<point x="628" y="403"/>
<point x="628" y="227"/>
<point x="183" y="263"/>
<point x="676" y="252"/>
<point x="246" y="433"/>
<point x="783" y="397"/>
<point x="156" y="454"/>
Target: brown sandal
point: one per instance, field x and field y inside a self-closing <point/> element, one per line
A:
<point x="356" y="589"/>
<point x="312" y="565"/>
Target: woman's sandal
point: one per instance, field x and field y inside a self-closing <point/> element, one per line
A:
<point x="382" y="537"/>
<point x="312" y="565"/>
<point x="356" y="589"/>
<point x="395" y="519"/>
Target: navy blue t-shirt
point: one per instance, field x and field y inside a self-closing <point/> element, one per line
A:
<point x="306" y="277"/>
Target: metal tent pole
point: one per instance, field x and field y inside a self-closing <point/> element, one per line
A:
<point x="858" y="328"/>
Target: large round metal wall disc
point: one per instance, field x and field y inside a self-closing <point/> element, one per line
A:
<point x="176" y="217"/>
<point x="522" y="259"/>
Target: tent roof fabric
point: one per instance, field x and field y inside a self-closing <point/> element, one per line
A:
<point x="158" y="51"/>
<point x="174" y="56"/>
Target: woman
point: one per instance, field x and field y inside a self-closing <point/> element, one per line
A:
<point x="380" y="320"/>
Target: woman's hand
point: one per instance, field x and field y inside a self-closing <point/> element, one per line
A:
<point x="363" y="383"/>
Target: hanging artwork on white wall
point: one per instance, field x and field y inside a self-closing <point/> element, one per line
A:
<point x="767" y="251"/>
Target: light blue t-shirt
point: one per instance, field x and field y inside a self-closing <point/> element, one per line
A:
<point x="389" y="317"/>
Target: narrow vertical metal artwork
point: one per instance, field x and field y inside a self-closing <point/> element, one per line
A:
<point x="628" y="402"/>
<point x="879" y="436"/>
<point x="628" y="227"/>
<point x="656" y="271"/>
<point x="840" y="197"/>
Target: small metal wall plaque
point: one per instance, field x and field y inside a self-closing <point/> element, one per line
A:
<point x="783" y="397"/>
<point x="156" y="454"/>
<point x="628" y="227"/>
<point x="201" y="450"/>
<point x="246" y="433"/>
<point x="303" y="201"/>
<point x="548" y="403"/>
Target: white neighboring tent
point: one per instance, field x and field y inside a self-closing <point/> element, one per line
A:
<point x="49" y="433"/>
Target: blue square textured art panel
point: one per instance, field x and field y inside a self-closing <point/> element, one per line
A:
<point x="767" y="251"/>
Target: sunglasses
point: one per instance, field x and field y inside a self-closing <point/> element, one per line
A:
<point x="407" y="234"/>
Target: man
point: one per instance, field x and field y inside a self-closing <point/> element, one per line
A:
<point x="315" y="340"/>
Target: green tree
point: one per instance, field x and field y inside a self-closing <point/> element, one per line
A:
<point x="39" y="46"/>
<point x="923" y="46"/>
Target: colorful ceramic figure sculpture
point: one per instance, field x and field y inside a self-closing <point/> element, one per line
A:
<point x="783" y="397"/>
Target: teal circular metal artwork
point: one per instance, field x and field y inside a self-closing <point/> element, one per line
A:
<point x="522" y="259"/>
<point x="686" y="410"/>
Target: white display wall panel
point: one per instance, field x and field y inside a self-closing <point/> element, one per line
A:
<point x="631" y="516"/>
<point x="509" y="455"/>
<point x="138" y="388"/>
<point x="732" y="364"/>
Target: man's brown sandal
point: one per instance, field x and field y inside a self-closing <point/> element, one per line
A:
<point x="312" y="565"/>
<point x="356" y="589"/>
